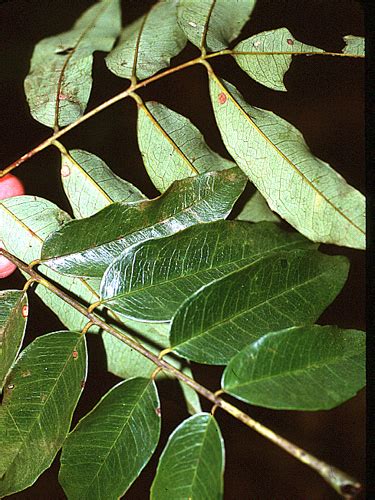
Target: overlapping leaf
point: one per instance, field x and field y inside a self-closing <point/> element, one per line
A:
<point x="13" y="317"/>
<point x="172" y="147"/>
<point x="213" y="23"/>
<point x="150" y="281"/>
<point x="148" y="44"/>
<point x="354" y="45"/>
<point x="41" y="394"/>
<point x="304" y="190"/>
<point x="269" y="60"/>
<point x="282" y="290"/>
<point x="126" y="427"/>
<point x="306" y="368"/>
<point x="90" y="184"/>
<point x="257" y="210"/>
<point x="59" y="82"/>
<point x="192" y="463"/>
<point x="86" y="247"/>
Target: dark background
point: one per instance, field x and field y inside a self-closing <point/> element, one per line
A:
<point x="324" y="100"/>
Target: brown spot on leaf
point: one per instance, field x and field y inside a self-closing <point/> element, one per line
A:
<point x="75" y="354"/>
<point x="25" y="311"/>
<point x="65" y="170"/>
<point x="222" y="98"/>
<point x="26" y="373"/>
<point x="158" y="411"/>
<point x="290" y="41"/>
<point x="83" y="383"/>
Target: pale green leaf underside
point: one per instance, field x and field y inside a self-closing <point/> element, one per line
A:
<point x="225" y="21"/>
<point x="41" y="394"/>
<point x="86" y="247"/>
<point x="192" y="463"/>
<point x="90" y="184"/>
<point x="150" y="281"/>
<point x="126" y="427"/>
<point x="13" y="317"/>
<point x="354" y="45"/>
<point x="306" y="368"/>
<point x="172" y="147"/>
<point x="257" y="210"/>
<point x="269" y="69"/>
<point x="302" y="189"/>
<point x="282" y="290"/>
<point x="148" y="44"/>
<point x="59" y="82"/>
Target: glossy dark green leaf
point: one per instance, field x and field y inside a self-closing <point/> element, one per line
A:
<point x="354" y="45"/>
<point x="86" y="247"/>
<point x="13" y="316"/>
<point x="172" y="147"/>
<point x="257" y="210"/>
<point x="306" y="368"/>
<point x="90" y="184"/>
<point x="40" y="395"/>
<point x="213" y="23"/>
<point x="59" y="82"/>
<point x="302" y="189"/>
<point x="111" y="445"/>
<point x="148" y="44"/>
<point x="282" y="290"/>
<point x="192" y="463"/>
<point x="150" y="281"/>
<point x="267" y="59"/>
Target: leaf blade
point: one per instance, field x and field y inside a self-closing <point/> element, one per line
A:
<point x="354" y="45"/>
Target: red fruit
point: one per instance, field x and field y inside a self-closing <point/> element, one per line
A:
<point x="10" y="185"/>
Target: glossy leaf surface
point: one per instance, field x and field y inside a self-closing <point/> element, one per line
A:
<point x="86" y="247"/>
<point x="40" y="396"/>
<point x="172" y="147"/>
<point x="192" y="463"/>
<point x="59" y="82"/>
<point x="306" y="368"/>
<point x="110" y="446"/>
<point x="150" y="281"/>
<point x="13" y="316"/>
<point x="269" y="69"/>
<point x="213" y="23"/>
<point x="304" y="190"/>
<point x="282" y="290"/>
<point x="148" y="44"/>
<point x="354" y="45"/>
<point x="90" y="184"/>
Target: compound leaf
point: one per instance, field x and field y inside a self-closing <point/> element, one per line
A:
<point x="354" y="45"/>
<point x="305" y="368"/>
<point x="59" y="82"/>
<point x="282" y="290"/>
<point x="40" y="396"/>
<point x="126" y="426"/>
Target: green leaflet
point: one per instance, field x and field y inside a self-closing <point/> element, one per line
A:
<point x="25" y="223"/>
<point x="224" y="22"/>
<point x="151" y="280"/>
<point x="86" y="247"/>
<point x="59" y="82"/>
<point x="148" y="44"/>
<point x="126" y="427"/>
<point x="354" y="45"/>
<point x="282" y="290"/>
<point x="306" y="368"/>
<point x="269" y="69"/>
<point x="172" y="147"/>
<point x="302" y="189"/>
<point x="13" y="317"/>
<point x="257" y="210"/>
<point x="41" y="394"/>
<point x="90" y="184"/>
<point x="199" y="474"/>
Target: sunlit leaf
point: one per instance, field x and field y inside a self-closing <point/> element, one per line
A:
<point x="306" y="368"/>
<point x="148" y="44"/>
<point x="221" y="21"/>
<point x="110" y="446"/>
<point x="90" y="184"/>
<point x="257" y="210"/>
<point x="354" y="45"/>
<point x="282" y="290"/>
<point x="86" y="247"/>
<point x="192" y="463"/>
<point x="59" y="82"/>
<point x="40" y="396"/>
<point x="269" y="69"/>
<point x="172" y="147"/>
<point x="304" y="190"/>
<point x="150" y="281"/>
<point x="13" y="317"/>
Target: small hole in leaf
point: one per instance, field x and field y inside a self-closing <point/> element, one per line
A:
<point x="65" y="171"/>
